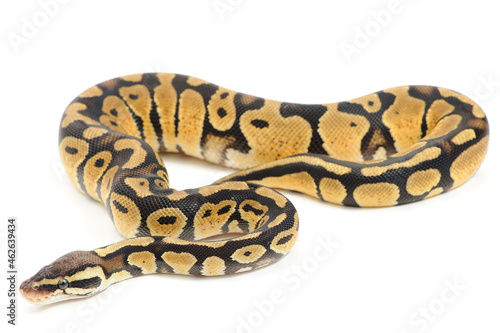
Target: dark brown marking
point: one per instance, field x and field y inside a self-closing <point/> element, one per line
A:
<point x="284" y="240"/>
<point x="167" y="220"/>
<point x="90" y="283"/>
<point x="259" y="123"/>
<point x="120" y="207"/>
<point x="224" y="210"/>
<point x="99" y="163"/>
<point x="221" y="112"/>
<point x="71" y="150"/>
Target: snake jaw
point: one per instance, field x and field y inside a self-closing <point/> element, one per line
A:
<point x="31" y="291"/>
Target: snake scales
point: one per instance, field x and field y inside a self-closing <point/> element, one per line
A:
<point x="391" y="147"/>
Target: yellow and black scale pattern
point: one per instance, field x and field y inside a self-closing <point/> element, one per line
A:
<point x="391" y="147"/>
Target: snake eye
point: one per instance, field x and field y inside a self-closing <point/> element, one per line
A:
<point x="63" y="284"/>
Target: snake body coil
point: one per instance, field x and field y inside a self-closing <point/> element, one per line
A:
<point x="391" y="147"/>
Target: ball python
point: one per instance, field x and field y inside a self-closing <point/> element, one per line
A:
<point x="391" y="147"/>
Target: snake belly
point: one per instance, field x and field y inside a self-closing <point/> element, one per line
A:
<point x="388" y="148"/>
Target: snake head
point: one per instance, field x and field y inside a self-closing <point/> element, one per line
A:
<point x="74" y="275"/>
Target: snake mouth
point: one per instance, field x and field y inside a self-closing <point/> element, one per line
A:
<point x="32" y="292"/>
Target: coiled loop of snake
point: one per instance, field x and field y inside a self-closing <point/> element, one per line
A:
<point x="391" y="147"/>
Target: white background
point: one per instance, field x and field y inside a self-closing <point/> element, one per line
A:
<point x="391" y="265"/>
